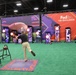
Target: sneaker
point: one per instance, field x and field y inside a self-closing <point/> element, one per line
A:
<point x="33" y="53"/>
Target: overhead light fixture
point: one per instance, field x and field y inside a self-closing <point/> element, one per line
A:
<point x="15" y="11"/>
<point x="48" y="1"/>
<point x="18" y="4"/>
<point x="36" y="8"/>
<point x="65" y="5"/>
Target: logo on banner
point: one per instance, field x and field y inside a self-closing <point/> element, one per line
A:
<point x="66" y="18"/>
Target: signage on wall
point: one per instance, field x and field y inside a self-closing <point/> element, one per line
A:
<point x="66" y="18"/>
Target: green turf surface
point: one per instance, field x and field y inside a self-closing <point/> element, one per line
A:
<point x="53" y="59"/>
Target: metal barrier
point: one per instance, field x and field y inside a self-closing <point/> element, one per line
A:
<point x="5" y="52"/>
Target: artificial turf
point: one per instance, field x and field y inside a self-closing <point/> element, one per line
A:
<point x="53" y="59"/>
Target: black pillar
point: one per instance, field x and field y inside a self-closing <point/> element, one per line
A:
<point x="40" y="25"/>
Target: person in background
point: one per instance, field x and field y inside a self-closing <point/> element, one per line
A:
<point x="34" y="36"/>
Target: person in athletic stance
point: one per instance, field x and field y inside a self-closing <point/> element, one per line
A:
<point x="25" y="44"/>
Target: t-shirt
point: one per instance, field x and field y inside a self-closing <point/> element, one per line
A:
<point x="23" y="37"/>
